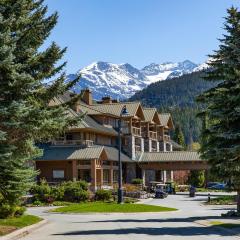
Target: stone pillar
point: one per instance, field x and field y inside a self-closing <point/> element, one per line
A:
<point x="101" y="177"/>
<point x="93" y="175"/>
<point x="171" y="176"/>
<point x="131" y="172"/>
<point x="131" y="147"/>
<point x="111" y="173"/>
<point x="74" y="170"/>
<point x="158" y="148"/>
<point x="142" y="144"/>
<point x="164" y="175"/>
<point x="144" y="177"/>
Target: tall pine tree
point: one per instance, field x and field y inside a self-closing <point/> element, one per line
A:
<point x="221" y="133"/>
<point x="178" y="136"/>
<point x="25" y="114"/>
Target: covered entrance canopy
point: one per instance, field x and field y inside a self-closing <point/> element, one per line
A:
<point x="177" y="160"/>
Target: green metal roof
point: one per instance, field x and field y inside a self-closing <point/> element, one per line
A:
<point x="76" y="153"/>
<point x="176" y="156"/>
<point x="115" y="108"/>
<point x="70" y="153"/>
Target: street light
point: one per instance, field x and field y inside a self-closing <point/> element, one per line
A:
<point x="123" y="113"/>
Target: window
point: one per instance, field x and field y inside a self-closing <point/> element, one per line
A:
<point x="69" y="136"/>
<point x="84" y="162"/>
<point x="115" y="163"/>
<point x="58" y="174"/>
<point x="105" y="176"/>
<point x="106" y="163"/>
<point x="115" y="176"/>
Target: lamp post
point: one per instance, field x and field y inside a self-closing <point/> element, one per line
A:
<point x="123" y="113"/>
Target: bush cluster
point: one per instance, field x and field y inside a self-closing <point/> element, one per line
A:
<point x="137" y="181"/>
<point x="67" y="191"/>
<point x="103" y="195"/>
<point x="8" y="210"/>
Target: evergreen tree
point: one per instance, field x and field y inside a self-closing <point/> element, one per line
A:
<point x="178" y="136"/>
<point x="221" y="133"/>
<point x="25" y="114"/>
<point x="196" y="178"/>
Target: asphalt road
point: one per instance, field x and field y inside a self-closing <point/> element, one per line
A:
<point x="169" y="225"/>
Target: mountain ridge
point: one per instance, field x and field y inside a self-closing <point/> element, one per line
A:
<point x="122" y="81"/>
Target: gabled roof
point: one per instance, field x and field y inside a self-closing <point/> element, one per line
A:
<point x="70" y="153"/>
<point x="151" y="115"/>
<point x="76" y="153"/>
<point x="166" y="120"/>
<point x="112" y="154"/>
<point x="115" y="108"/>
<point x="176" y="156"/>
<point x="90" y="123"/>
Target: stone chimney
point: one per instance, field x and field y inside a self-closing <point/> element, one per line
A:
<point x="87" y="96"/>
<point x="106" y="99"/>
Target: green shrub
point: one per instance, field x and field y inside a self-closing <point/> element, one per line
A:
<point x="37" y="203"/>
<point x="41" y="192"/>
<point x="58" y="192"/>
<point x="7" y="211"/>
<point x="67" y="191"/>
<point x="137" y="181"/>
<point x="103" y="195"/>
<point x="77" y="184"/>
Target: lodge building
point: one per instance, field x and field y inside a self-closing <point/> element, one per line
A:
<point x="89" y="151"/>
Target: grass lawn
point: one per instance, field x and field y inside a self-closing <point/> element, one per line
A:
<point x="10" y="224"/>
<point x="223" y="200"/>
<point x="225" y="225"/>
<point x="103" y="207"/>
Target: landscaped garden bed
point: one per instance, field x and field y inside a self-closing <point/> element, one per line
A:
<point x="225" y="225"/>
<point x="9" y="225"/>
<point x="223" y="200"/>
<point x="111" y="207"/>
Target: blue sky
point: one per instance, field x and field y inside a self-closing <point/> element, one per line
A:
<point x="137" y="31"/>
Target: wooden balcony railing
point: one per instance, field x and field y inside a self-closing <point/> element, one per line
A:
<point x="137" y="148"/>
<point x="82" y="143"/>
<point x="166" y="137"/>
<point x="160" y="138"/>
<point x="136" y="131"/>
<point x="152" y="135"/>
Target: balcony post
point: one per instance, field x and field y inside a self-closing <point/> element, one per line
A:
<point x="93" y="175"/>
<point x="74" y="170"/>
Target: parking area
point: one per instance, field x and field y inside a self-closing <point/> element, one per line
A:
<point x="182" y="224"/>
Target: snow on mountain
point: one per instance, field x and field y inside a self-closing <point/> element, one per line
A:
<point x="159" y="72"/>
<point x="121" y="81"/>
<point x="108" y="79"/>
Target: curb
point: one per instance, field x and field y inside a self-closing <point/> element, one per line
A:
<point x="23" y="231"/>
<point x="206" y="223"/>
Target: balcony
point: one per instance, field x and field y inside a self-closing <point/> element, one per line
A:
<point x="137" y="148"/>
<point x="152" y="135"/>
<point x="166" y="138"/>
<point x="136" y="131"/>
<point x="82" y="143"/>
<point x="160" y="138"/>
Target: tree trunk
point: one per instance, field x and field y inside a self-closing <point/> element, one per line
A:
<point x="238" y="201"/>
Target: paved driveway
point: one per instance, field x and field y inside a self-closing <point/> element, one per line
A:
<point x="168" y="225"/>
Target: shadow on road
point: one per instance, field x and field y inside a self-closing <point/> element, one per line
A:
<point x="172" y="231"/>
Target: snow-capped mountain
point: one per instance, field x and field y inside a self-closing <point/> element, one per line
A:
<point x="121" y="81"/>
<point x="108" y="79"/>
<point x="159" y="72"/>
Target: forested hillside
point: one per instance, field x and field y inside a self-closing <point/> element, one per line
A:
<point x="177" y="96"/>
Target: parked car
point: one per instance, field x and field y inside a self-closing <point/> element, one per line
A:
<point x="218" y="186"/>
<point x="210" y="184"/>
